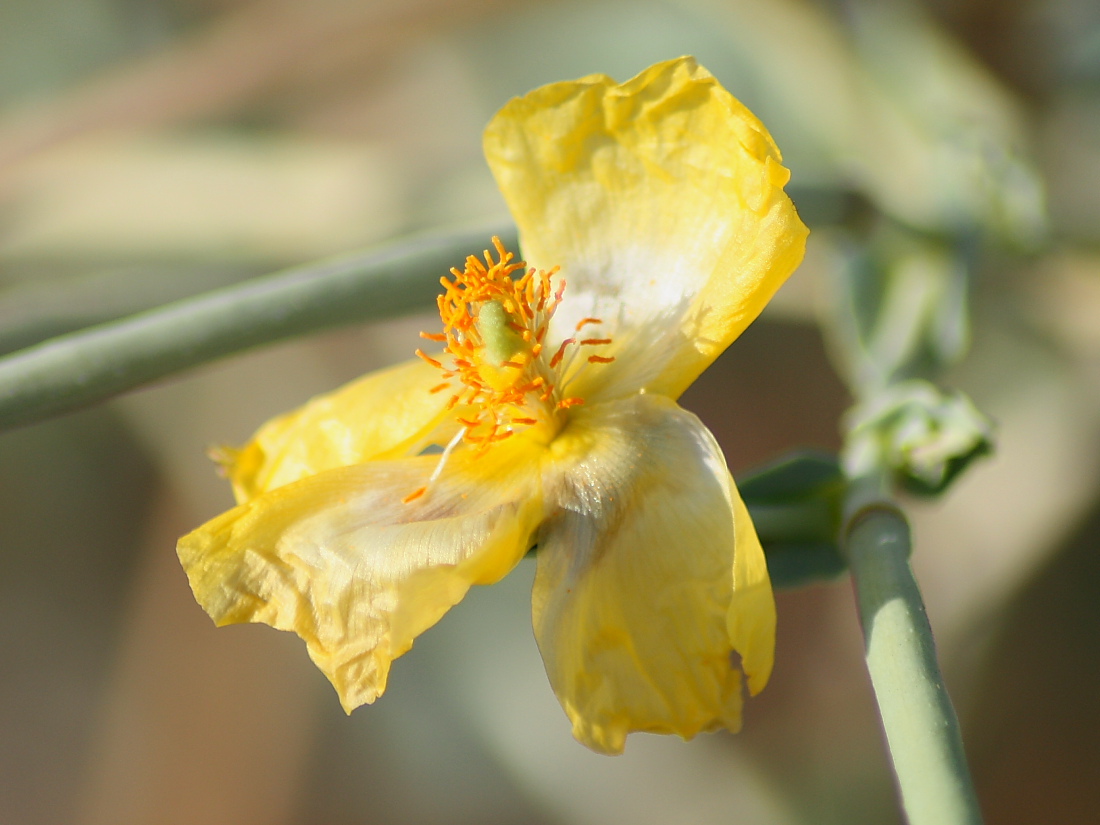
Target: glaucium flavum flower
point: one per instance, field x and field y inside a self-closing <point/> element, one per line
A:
<point x="655" y="226"/>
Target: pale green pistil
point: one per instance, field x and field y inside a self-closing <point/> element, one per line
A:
<point x="501" y="342"/>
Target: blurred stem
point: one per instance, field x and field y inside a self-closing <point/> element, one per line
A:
<point x="85" y="367"/>
<point x="922" y="731"/>
<point x="39" y="308"/>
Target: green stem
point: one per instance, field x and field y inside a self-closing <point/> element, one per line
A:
<point x="85" y="367"/>
<point x="39" y="308"/>
<point x="922" y="731"/>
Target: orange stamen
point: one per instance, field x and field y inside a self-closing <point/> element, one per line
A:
<point x="600" y="359"/>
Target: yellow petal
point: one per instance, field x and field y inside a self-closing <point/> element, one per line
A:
<point x="342" y="561"/>
<point x="751" y="617"/>
<point x="662" y="201"/>
<point x="637" y="576"/>
<point x="374" y="415"/>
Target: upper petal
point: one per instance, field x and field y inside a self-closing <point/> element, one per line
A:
<point x="662" y="201"/>
<point x="373" y="415"/>
<point x="340" y="559"/>
<point x="638" y="576"/>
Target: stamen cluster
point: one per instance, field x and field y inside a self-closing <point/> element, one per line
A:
<point x="494" y="328"/>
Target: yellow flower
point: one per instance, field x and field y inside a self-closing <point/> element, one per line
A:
<point x="655" y="224"/>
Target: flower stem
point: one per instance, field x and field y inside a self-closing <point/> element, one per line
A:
<point x="91" y="365"/>
<point x="922" y="731"/>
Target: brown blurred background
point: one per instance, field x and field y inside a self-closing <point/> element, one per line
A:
<point x="151" y="149"/>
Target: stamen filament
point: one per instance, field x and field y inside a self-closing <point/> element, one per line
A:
<point x="454" y="442"/>
<point x="420" y="491"/>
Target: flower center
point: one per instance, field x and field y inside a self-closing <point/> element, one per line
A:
<point x="494" y="329"/>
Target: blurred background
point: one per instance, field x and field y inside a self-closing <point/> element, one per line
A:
<point x="153" y="149"/>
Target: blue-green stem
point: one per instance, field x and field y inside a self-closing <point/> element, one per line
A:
<point x="922" y="731"/>
<point x="86" y="367"/>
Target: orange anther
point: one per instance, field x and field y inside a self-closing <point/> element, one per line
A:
<point x="414" y="495"/>
<point x="566" y="403"/>
<point x="588" y="342"/>
<point x="429" y="359"/>
<point x="586" y="321"/>
<point x="600" y="359"/>
<point x="433" y="336"/>
<point x="561" y="352"/>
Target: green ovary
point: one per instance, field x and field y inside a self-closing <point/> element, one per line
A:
<point x="501" y="342"/>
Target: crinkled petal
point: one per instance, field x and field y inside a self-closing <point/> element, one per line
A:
<point x="342" y="561"/>
<point x="662" y="201"/>
<point x="374" y="416"/>
<point x="639" y="567"/>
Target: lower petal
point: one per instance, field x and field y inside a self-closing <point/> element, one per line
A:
<point x="638" y="604"/>
<point x="750" y="620"/>
<point x="343" y="561"/>
<point x="372" y="416"/>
